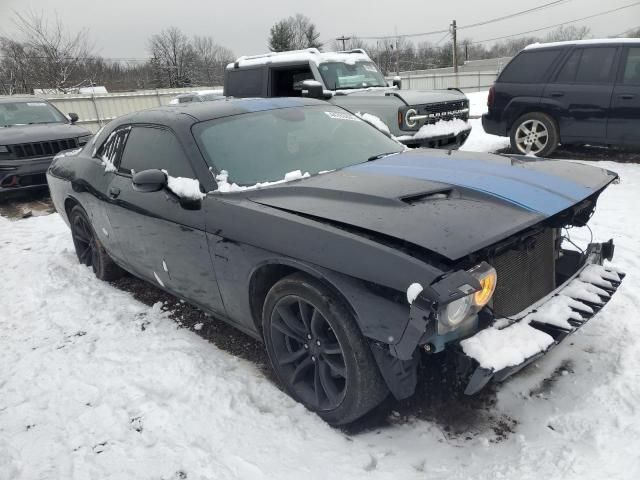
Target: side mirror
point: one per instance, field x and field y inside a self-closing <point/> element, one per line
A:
<point x="313" y="89"/>
<point x="397" y="82"/>
<point x="73" y="117"/>
<point x="149" y="181"/>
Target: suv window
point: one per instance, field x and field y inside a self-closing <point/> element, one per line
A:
<point x="588" y="65"/>
<point x="244" y="83"/>
<point x="152" y="147"/>
<point x="631" y="74"/>
<point x="285" y="80"/>
<point x="529" y="66"/>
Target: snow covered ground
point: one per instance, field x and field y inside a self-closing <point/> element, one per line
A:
<point x="96" y="385"/>
<point x="479" y="141"/>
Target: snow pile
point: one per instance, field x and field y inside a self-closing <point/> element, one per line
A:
<point x="413" y="291"/>
<point x="375" y="121"/>
<point x="224" y="186"/>
<point x="443" y="127"/>
<point x="479" y="140"/>
<point x="187" y="188"/>
<point x="496" y="349"/>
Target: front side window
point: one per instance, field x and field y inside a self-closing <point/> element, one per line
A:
<point x="631" y="74"/>
<point x="154" y="148"/>
<point x="342" y="75"/>
<point x="29" y="113"/>
<point x="529" y="66"/>
<point x="596" y="65"/>
<point x="112" y="147"/>
<point x="264" y="146"/>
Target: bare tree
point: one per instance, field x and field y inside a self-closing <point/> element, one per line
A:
<point x="294" y="33"/>
<point x="211" y="60"/>
<point x="570" y="32"/>
<point x="173" y="58"/>
<point x="55" y="55"/>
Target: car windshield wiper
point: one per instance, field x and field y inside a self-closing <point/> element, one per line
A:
<point x="380" y="155"/>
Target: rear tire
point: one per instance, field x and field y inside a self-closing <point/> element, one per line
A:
<point x="534" y="133"/>
<point x="318" y="352"/>
<point x="89" y="250"/>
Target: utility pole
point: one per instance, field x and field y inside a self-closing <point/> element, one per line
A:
<point x="343" y="39"/>
<point x="397" y="51"/>
<point x="454" y="35"/>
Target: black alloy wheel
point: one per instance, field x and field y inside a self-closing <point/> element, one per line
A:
<point x="308" y="352"/>
<point x="88" y="247"/>
<point x="318" y="352"/>
<point x="85" y="241"/>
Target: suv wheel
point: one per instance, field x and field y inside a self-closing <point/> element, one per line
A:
<point x="318" y="352"/>
<point x="534" y="134"/>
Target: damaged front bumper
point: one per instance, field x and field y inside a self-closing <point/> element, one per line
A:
<point x="511" y="344"/>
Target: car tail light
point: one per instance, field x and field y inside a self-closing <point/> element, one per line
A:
<point x="491" y="97"/>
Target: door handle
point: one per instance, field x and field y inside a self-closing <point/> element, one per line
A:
<point x="627" y="96"/>
<point x="557" y="94"/>
<point x="114" y="192"/>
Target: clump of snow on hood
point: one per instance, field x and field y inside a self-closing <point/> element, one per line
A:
<point x="222" y="179"/>
<point x="413" y="291"/>
<point x="443" y="127"/>
<point x="496" y="349"/>
<point x="187" y="188"/>
<point x="375" y="121"/>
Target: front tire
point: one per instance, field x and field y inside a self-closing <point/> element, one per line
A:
<point x="318" y="352"/>
<point x="534" y="134"/>
<point x="89" y="249"/>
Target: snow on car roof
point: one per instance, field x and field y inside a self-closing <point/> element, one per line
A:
<point x="308" y="55"/>
<point x="593" y="41"/>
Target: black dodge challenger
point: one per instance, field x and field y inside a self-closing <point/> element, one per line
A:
<point x="353" y="260"/>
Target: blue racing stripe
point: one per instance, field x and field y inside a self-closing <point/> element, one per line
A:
<point x="530" y="189"/>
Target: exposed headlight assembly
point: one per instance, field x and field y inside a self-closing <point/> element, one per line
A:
<point x="456" y="312"/>
<point x="4" y="149"/>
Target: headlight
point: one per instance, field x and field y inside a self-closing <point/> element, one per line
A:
<point x="488" y="278"/>
<point x="456" y="312"/>
<point x="4" y="149"/>
<point x="84" y="139"/>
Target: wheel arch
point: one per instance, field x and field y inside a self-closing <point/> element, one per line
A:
<point x="517" y="109"/>
<point x="267" y="274"/>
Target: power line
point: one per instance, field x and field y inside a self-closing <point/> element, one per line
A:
<point x="557" y="24"/>
<point x="485" y="22"/>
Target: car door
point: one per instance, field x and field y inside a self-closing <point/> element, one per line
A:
<point x="624" y="116"/>
<point x="164" y="241"/>
<point x="581" y="93"/>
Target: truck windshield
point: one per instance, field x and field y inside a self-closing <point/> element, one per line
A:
<point x="341" y="75"/>
<point x="27" y="113"/>
<point x="264" y="146"/>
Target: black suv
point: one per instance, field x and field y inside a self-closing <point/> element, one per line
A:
<point x="32" y="132"/>
<point x="580" y="92"/>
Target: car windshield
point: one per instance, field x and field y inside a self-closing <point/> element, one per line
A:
<point x="26" y="113"/>
<point x="264" y="146"/>
<point x="341" y="75"/>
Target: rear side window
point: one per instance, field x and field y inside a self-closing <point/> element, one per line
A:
<point x="588" y="65"/>
<point x="631" y="74"/>
<point x="244" y="83"/>
<point x="529" y="66"/>
<point x="154" y="148"/>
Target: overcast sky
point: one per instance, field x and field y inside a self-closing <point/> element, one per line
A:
<point x="120" y="28"/>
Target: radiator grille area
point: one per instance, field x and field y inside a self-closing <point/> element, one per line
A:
<point x="42" y="149"/>
<point x="444" y="111"/>
<point x="525" y="274"/>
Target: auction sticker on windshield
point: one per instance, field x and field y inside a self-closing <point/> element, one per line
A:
<point x="342" y="116"/>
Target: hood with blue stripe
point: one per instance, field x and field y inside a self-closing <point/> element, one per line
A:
<point x="450" y="203"/>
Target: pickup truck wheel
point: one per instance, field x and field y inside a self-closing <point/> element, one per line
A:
<point x="317" y="351"/>
<point x="534" y="134"/>
<point x="89" y="250"/>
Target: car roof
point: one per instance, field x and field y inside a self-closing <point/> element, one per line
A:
<point x="300" y="56"/>
<point x="594" y="41"/>
<point x="12" y="99"/>
<point x="202" y="111"/>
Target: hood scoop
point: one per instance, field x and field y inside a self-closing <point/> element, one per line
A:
<point x="421" y="198"/>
